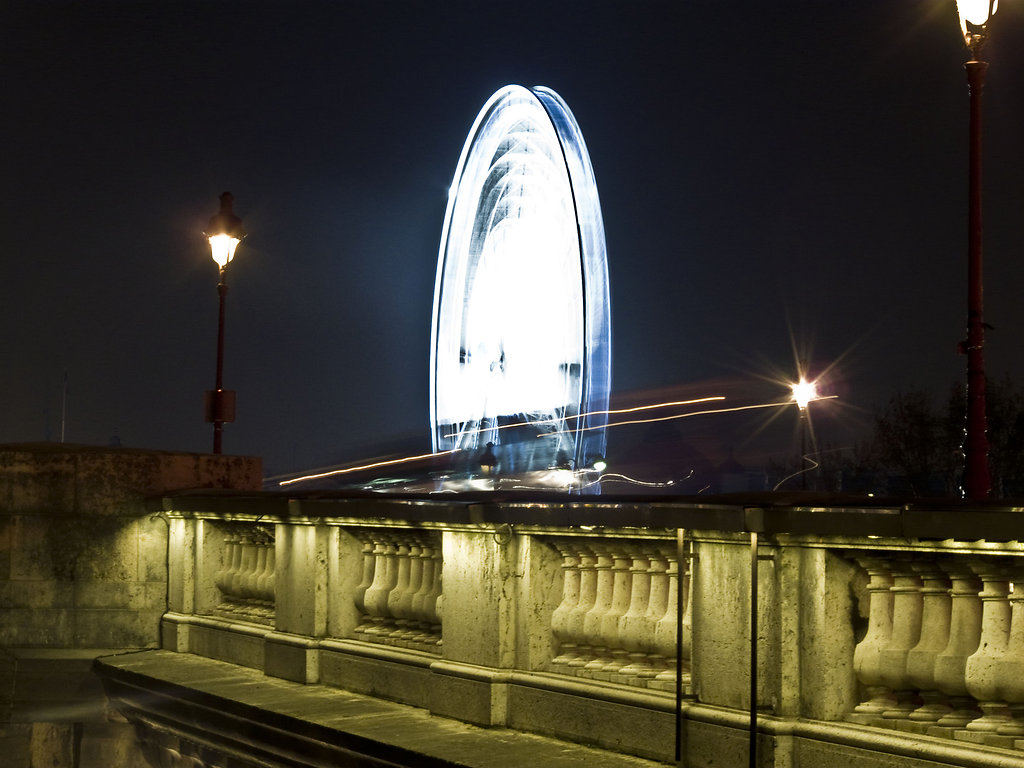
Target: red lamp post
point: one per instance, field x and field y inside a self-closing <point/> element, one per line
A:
<point x="975" y="16"/>
<point x="224" y="233"/>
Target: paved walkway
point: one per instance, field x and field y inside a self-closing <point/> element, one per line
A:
<point x="309" y="717"/>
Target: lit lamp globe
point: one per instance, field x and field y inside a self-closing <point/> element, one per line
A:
<point x="974" y="18"/>
<point x="224" y="232"/>
<point x="804" y="392"/>
<point x="488" y="461"/>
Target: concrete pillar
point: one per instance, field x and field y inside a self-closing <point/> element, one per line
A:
<point x="479" y="590"/>
<point x="478" y="621"/>
<point x="817" y="640"/>
<point x="721" y="624"/>
<point x="540" y="594"/>
<point x="209" y="559"/>
<point x="302" y="556"/>
<point x="181" y="578"/>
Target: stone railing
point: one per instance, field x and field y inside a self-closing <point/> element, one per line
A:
<point x="813" y="635"/>
<point x="247" y="576"/>
<point x="944" y="650"/>
<point x="397" y="597"/>
<point x="618" y="616"/>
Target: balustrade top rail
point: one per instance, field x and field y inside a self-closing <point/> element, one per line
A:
<point x="811" y="514"/>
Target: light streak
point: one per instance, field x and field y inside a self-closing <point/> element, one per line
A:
<point x="783" y="404"/>
<point x="805" y="457"/>
<point x="374" y="465"/>
<point x="634" y="481"/>
<point x="611" y="412"/>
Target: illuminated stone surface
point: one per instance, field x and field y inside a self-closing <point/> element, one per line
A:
<point x="83" y="571"/>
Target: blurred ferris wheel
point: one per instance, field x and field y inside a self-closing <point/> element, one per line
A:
<point x="521" y="338"/>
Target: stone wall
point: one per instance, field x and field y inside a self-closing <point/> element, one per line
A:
<point x="83" y="573"/>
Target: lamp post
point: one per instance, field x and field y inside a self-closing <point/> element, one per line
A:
<point x="489" y="465"/>
<point x="975" y="16"/>
<point x="804" y="392"/>
<point x="224" y="233"/>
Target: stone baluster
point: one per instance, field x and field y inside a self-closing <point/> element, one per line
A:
<point x="602" y="604"/>
<point x="654" y="662"/>
<point x="935" y="626"/>
<point x="1010" y="672"/>
<point x="636" y="629"/>
<point x="570" y="552"/>
<point x="982" y="669"/>
<point x="428" y="600"/>
<point x="385" y="576"/>
<point x="423" y="607"/>
<point x="907" y="613"/>
<point x="612" y="656"/>
<point x="964" y="636"/>
<point x="436" y="601"/>
<point x="400" y="592"/>
<point x="267" y="585"/>
<point x="369" y="551"/>
<point x="575" y="624"/>
<point x="250" y="583"/>
<point x="240" y="578"/>
<point x="402" y="609"/>
<point x="231" y="557"/>
<point x="234" y="570"/>
<point x="666" y="629"/>
<point x="686" y="584"/>
<point x="244" y="550"/>
<point x="867" y="656"/>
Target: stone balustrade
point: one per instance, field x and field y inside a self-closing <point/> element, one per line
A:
<point x="617" y="618"/>
<point x="540" y="618"/>
<point x="944" y="651"/>
<point x="397" y="597"/>
<point x="247" y="576"/>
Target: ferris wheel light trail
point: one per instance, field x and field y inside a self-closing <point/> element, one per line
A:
<point x="609" y="412"/>
<point x="521" y="333"/>
<point x="631" y="480"/>
<point x="374" y="465"/>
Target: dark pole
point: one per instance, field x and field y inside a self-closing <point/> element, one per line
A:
<point x="218" y="393"/>
<point x="680" y="607"/>
<point x="224" y="233"/>
<point x="752" y="734"/>
<point x="977" y="482"/>
<point x="803" y="448"/>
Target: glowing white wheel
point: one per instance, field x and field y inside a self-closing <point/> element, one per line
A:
<point x="521" y="333"/>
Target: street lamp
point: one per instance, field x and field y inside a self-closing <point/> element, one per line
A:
<point x="489" y="465"/>
<point x="488" y="461"/>
<point x="224" y="233"/>
<point x="975" y="16"/>
<point x="803" y="392"/>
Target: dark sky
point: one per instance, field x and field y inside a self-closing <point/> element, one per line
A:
<point x="770" y="174"/>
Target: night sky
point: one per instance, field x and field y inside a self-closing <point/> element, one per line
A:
<point x="778" y="180"/>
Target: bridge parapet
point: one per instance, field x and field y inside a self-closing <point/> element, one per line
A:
<point x="632" y="625"/>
